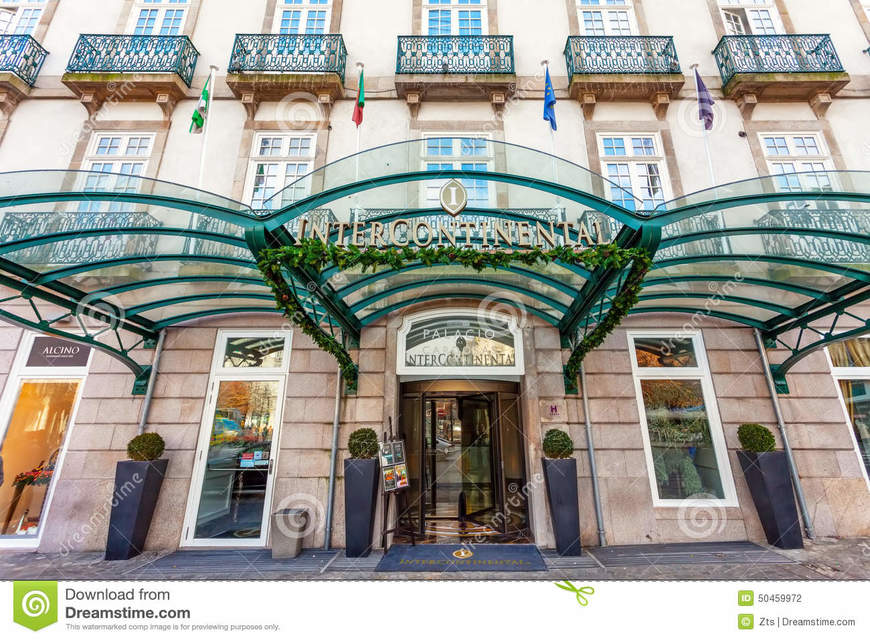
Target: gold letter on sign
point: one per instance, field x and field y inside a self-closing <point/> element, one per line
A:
<point x="454" y="197"/>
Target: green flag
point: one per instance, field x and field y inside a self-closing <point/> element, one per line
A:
<point x="201" y="112"/>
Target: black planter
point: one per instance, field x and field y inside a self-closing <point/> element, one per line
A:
<point x="137" y="486"/>
<point x="769" y="483"/>
<point x="360" y="498"/>
<point x="561" y="480"/>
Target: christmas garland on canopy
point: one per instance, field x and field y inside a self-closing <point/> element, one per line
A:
<point x="313" y="256"/>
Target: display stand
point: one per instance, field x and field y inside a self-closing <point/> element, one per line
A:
<point x="394" y="472"/>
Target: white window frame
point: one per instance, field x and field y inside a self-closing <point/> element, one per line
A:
<point x="456" y="9"/>
<point x="748" y="11"/>
<point x="850" y="373"/>
<point x="456" y="160"/>
<point x="635" y="162"/>
<point x="217" y="374"/>
<point x="17" y="11"/>
<point x="121" y="164"/>
<point x="305" y="8"/>
<point x="20" y="373"/>
<point x="717" y="434"/>
<point x="161" y="7"/>
<point x="609" y="14"/>
<point x="800" y="162"/>
<point x="282" y="160"/>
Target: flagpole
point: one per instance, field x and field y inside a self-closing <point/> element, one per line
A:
<point x="546" y="65"/>
<point x="204" y="147"/>
<point x="360" y="68"/>
<point x="707" y="142"/>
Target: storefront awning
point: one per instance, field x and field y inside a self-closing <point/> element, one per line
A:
<point x="112" y="259"/>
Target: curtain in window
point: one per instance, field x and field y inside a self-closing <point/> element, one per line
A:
<point x="851" y="353"/>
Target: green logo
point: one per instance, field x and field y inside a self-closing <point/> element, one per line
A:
<point x="745" y="621"/>
<point x="34" y="604"/>
<point x="745" y="598"/>
<point x="579" y="592"/>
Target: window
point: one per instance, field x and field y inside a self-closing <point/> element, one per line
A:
<point x="471" y="153"/>
<point x="114" y="161"/>
<point x="797" y="153"/>
<point x="36" y="413"/>
<point x="850" y="362"/>
<point x="607" y="18"/>
<point x="231" y="493"/>
<point x="279" y="160"/>
<point x="158" y="17"/>
<point x="455" y="17"/>
<point x="750" y="17"/>
<point x="20" y="16"/>
<point x="303" y="16"/>
<point x="683" y="440"/>
<point x="635" y="164"/>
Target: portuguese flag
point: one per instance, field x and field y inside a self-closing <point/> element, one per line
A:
<point x="361" y="100"/>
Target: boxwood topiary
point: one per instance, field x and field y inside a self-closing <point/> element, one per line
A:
<point x="145" y="447"/>
<point x="756" y="438"/>
<point x="363" y="444"/>
<point x="558" y="444"/>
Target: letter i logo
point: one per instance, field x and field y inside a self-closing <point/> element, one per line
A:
<point x="34" y="604"/>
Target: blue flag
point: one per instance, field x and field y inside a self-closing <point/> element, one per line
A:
<point x="550" y="102"/>
<point x="705" y="102"/>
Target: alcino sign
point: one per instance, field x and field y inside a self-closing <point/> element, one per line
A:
<point x="453" y="231"/>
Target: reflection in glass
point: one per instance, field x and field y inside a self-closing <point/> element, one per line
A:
<point x="856" y="393"/>
<point x="684" y="458"/>
<point x="665" y="352"/>
<point x="30" y="451"/>
<point x="233" y="494"/>
<point x="263" y="353"/>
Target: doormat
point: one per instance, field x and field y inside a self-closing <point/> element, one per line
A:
<point x="457" y="557"/>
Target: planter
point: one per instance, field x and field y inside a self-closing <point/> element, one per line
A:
<point x="560" y="477"/>
<point x="769" y="481"/>
<point x="137" y="487"/>
<point x="360" y="498"/>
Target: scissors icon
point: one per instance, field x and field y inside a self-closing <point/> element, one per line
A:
<point x="580" y="592"/>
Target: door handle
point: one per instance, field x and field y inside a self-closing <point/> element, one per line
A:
<point x="271" y="465"/>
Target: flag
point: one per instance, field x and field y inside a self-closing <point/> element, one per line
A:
<point x="705" y="102"/>
<point x="201" y="112"/>
<point x="550" y="102"/>
<point x="360" y="101"/>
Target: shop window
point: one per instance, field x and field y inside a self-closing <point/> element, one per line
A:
<point x="20" y="16"/>
<point x="635" y="164"/>
<point x="850" y="362"/>
<point x="303" y="16"/>
<point x="455" y="17"/>
<point x="158" y="17"/>
<point x="231" y="493"/>
<point x="607" y="18"/>
<point x="36" y="413"/>
<point x="279" y="162"/>
<point x="751" y="17"/>
<point x="684" y="444"/>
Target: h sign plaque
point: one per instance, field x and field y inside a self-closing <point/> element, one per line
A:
<point x="454" y="197"/>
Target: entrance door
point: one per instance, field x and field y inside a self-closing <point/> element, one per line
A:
<point x="466" y="461"/>
<point x="234" y="475"/>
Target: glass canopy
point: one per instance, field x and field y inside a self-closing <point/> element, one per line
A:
<point x="125" y="256"/>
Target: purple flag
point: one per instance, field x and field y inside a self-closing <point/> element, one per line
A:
<point x="705" y="102"/>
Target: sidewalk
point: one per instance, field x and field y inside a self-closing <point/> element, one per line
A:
<point x="826" y="559"/>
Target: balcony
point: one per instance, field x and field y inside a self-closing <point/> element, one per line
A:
<point x="785" y="67"/>
<point x="814" y="246"/>
<point x="21" y="58"/>
<point x="455" y="67"/>
<point x="602" y="68"/>
<point x="130" y="68"/>
<point x="266" y="67"/>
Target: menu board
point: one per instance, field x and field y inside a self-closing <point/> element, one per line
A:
<point x="393" y="466"/>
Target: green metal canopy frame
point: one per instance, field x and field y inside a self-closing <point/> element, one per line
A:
<point x="110" y="260"/>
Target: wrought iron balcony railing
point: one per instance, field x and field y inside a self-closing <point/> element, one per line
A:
<point x="621" y="54"/>
<point x="17" y="225"/>
<point x="279" y="53"/>
<point x="817" y="247"/>
<point x="134" y="54"/>
<point x="455" y="54"/>
<point x="776" y="54"/>
<point x="21" y="55"/>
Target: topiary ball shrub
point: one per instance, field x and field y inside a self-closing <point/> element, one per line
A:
<point x="145" y="447"/>
<point x="363" y="444"/>
<point x="756" y="438"/>
<point x="558" y="444"/>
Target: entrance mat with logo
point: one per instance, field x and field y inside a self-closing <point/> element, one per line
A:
<point x="457" y="557"/>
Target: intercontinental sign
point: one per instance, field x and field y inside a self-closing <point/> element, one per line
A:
<point x="486" y="233"/>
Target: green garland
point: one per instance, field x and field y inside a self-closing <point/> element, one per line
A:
<point x="314" y="256"/>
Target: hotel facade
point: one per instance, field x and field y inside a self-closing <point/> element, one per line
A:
<point x="132" y="299"/>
